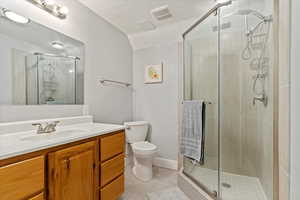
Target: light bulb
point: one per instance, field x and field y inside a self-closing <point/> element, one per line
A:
<point x="16" y="17"/>
<point x="57" y="45"/>
<point x="63" y="10"/>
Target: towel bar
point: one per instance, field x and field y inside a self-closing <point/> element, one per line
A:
<point x="206" y="102"/>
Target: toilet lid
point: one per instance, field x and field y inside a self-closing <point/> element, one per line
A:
<point x="144" y="146"/>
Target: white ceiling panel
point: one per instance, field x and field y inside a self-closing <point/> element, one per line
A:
<point x="130" y="15"/>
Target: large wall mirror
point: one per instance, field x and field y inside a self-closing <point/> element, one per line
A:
<point x="38" y="65"/>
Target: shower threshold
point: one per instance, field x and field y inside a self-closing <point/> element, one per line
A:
<point x="234" y="187"/>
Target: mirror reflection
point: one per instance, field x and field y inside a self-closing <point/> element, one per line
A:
<point x="38" y="65"/>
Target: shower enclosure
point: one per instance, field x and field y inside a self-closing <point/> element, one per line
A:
<point x="228" y="63"/>
<point x="51" y="79"/>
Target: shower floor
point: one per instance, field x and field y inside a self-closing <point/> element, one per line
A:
<point x="240" y="187"/>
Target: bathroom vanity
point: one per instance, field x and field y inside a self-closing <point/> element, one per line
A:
<point x="85" y="165"/>
<point x="81" y="160"/>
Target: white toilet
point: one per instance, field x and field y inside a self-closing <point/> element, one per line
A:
<point x="143" y="152"/>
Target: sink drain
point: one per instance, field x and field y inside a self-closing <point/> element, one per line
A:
<point x="226" y="185"/>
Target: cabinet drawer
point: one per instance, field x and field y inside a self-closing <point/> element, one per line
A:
<point x="113" y="190"/>
<point x="38" y="197"/>
<point x="112" y="169"/>
<point x="111" y="146"/>
<point x="23" y="179"/>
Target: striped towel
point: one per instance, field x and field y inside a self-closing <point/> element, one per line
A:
<point x="193" y="134"/>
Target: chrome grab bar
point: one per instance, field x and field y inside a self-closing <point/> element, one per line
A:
<point x="112" y="81"/>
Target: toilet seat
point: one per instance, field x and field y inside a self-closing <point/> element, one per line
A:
<point x="144" y="148"/>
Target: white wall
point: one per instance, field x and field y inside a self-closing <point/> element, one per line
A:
<point x="35" y="112"/>
<point x="108" y="54"/>
<point x="295" y="99"/>
<point x="157" y="103"/>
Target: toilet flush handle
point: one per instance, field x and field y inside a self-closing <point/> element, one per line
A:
<point x="127" y="127"/>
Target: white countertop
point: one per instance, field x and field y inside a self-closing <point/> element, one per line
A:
<point x="19" y="143"/>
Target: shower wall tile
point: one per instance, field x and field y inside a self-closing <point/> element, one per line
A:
<point x="284" y="42"/>
<point x="284" y="129"/>
<point x="284" y="98"/>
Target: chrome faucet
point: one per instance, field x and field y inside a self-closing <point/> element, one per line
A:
<point x="49" y="127"/>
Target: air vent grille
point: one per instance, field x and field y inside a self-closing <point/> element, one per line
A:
<point x="161" y="13"/>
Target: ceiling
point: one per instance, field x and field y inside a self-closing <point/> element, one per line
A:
<point x="134" y="16"/>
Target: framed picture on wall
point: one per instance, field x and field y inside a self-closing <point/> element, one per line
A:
<point x="154" y="73"/>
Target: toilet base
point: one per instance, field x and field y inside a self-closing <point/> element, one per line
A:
<point x="143" y="168"/>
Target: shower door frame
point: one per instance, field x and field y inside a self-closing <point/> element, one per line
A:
<point x="216" y="9"/>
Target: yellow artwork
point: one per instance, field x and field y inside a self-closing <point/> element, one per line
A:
<point x="153" y="73"/>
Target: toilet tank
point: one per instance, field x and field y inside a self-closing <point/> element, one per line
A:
<point x="136" y="131"/>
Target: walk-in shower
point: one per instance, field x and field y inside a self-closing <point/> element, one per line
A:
<point x="228" y="61"/>
<point x="51" y="79"/>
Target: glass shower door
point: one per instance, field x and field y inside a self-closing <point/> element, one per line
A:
<point x="229" y="64"/>
<point x="246" y="101"/>
<point x="201" y="83"/>
<point x="57" y="80"/>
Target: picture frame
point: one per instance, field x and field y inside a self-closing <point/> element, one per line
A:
<point x="154" y="74"/>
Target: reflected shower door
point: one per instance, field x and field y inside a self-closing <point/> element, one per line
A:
<point x="56" y="80"/>
<point x="201" y="83"/>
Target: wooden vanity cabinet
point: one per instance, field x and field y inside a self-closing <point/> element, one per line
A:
<point x="23" y="180"/>
<point x="112" y="166"/>
<point x="72" y="173"/>
<point x="91" y="169"/>
<point x="38" y="197"/>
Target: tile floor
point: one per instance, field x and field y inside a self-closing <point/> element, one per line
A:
<point x="137" y="190"/>
<point x="173" y="193"/>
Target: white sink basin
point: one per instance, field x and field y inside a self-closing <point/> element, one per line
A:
<point x="54" y="135"/>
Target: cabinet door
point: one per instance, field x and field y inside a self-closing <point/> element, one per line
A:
<point x="22" y="179"/>
<point x="72" y="173"/>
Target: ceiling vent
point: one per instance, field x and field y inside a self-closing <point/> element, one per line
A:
<point x="161" y="13"/>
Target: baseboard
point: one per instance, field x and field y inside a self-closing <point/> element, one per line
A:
<point x="165" y="163"/>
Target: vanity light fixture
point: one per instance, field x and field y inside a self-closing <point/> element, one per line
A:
<point x="15" y="17"/>
<point x="51" y="7"/>
<point x="48" y="2"/>
<point x="57" y="45"/>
